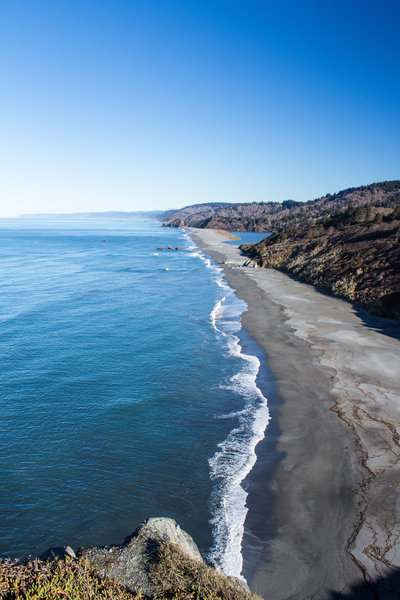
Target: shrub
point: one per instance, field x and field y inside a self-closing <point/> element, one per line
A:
<point x="178" y="577"/>
<point x="175" y="575"/>
<point x="395" y="215"/>
<point x="57" y="580"/>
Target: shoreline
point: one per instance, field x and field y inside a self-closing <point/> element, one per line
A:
<point x="324" y="519"/>
<point x="235" y="455"/>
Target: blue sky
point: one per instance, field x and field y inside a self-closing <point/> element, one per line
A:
<point x="143" y="104"/>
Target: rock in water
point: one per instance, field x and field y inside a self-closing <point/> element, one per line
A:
<point x="130" y="562"/>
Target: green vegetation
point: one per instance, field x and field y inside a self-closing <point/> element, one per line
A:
<point x="275" y="216"/>
<point x="175" y="576"/>
<point x="57" y="579"/>
<point x="345" y="218"/>
<point x="281" y="236"/>
<point x="383" y="186"/>
<point x="291" y="203"/>
<point x="395" y="215"/>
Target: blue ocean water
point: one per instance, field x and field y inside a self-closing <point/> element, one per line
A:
<point x="247" y="237"/>
<point x="124" y="389"/>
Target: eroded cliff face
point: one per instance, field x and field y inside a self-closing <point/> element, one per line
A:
<point x="357" y="261"/>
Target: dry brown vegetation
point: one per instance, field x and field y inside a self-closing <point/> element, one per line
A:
<point x="351" y="254"/>
<point x="176" y="577"/>
<point x="277" y="216"/>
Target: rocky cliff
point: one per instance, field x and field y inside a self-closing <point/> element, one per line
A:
<point x="157" y="561"/>
<point x="353" y="254"/>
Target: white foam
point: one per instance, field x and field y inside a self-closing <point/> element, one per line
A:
<point x="236" y="454"/>
<point x="216" y="313"/>
<point x="233" y="461"/>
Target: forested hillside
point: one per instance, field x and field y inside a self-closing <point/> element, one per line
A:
<point x="276" y="216"/>
<point x="353" y="254"/>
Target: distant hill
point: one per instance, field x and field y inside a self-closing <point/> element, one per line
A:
<point x="253" y="216"/>
<point x="196" y="211"/>
<point x="347" y="243"/>
<point x="276" y="216"/>
<point x="353" y="254"/>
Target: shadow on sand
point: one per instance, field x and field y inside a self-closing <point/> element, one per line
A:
<point x="384" y="588"/>
<point x="388" y="327"/>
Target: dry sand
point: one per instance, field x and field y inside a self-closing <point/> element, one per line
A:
<point x="323" y="518"/>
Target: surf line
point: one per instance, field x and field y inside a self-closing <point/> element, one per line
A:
<point x="236" y="455"/>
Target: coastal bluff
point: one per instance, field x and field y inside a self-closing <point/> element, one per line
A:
<point x="157" y="561"/>
<point x="353" y="254"/>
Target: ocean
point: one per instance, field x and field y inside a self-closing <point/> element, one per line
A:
<point x="127" y="388"/>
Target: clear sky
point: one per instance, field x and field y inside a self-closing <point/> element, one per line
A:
<point x="146" y="104"/>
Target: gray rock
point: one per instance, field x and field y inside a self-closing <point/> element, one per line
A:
<point x="130" y="562"/>
<point x="58" y="552"/>
<point x="239" y="584"/>
<point x="251" y="263"/>
<point x="161" y="530"/>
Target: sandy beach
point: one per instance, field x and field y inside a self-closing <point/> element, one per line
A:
<point x="324" y="510"/>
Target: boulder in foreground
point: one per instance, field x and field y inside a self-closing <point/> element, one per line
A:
<point x="131" y="561"/>
<point x="157" y="559"/>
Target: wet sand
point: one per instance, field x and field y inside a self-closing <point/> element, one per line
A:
<point x="324" y="509"/>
